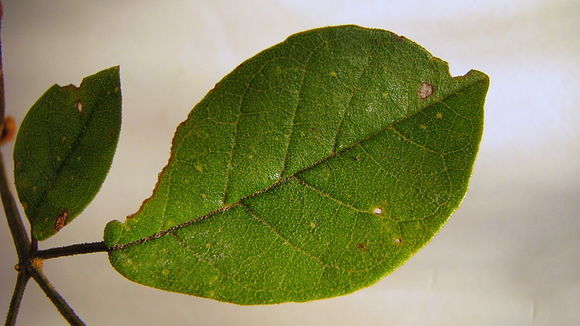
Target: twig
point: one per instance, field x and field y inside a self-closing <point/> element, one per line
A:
<point x="15" y="223"/>
<point x="65" y="310"/>
<point x="21" y="282"/>
<point x="82" y="248"/>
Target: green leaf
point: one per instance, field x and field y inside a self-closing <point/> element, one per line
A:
<point x="64" y="150"/>
<point x="312" y="170"/>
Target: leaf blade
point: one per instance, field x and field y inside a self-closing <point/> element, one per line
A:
<point x="308" y="140"/>
<point x="65" y="148"/>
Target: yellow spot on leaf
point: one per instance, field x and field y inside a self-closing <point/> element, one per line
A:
<point x="213" y="279"/>
<point x="332" y="73"/>
<point x="423" y="127"/>
<point x="199" y="167"/>
<point x="439" y="115"/>
<point x="312" y="225"/>
<point x="165" y="272"/>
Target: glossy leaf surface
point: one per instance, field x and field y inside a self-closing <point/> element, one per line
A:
<point x="310" y="171"/>
<point x="64" y="150"/>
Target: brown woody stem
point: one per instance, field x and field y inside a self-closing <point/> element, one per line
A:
<point x="21" y="282"/>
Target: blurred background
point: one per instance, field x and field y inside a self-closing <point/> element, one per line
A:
<point x="509" y="256"/>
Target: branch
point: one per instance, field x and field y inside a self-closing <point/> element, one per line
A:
<point x="82" y="248"/>
<point x="65" y="310"/>
<point x="21" y="282"/>
<point x="15" y="223"/>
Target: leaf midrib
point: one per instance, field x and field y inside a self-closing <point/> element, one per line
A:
<point x="65" y="160"/>
<point x="280" y="181"/>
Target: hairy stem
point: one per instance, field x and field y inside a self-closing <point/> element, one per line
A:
<point x="65" y="310"/>
<point x="21" y="282"/>
<point x="76" y="249"/>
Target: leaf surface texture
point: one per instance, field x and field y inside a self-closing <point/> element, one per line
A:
<point x="65" y="148"/>
<point x="310" y="171"/>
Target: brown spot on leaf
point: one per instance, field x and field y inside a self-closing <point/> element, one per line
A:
<point x="8" y="131"/>
<point x="60" y="221"/>
<point x="79" y="107"/>
<point x="361" y="246"/>
<point x="398" y="240"/>
<point x="425" y="90"/>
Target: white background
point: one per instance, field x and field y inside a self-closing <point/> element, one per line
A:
<point x="509" y="256"/>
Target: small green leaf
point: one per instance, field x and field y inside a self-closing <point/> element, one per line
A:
<point x="312" y="170"/>
<point x="64" y="150"/>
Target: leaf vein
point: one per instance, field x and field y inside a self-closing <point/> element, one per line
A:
<point x="323" y="194"/>
<point x="286" y="179"/>
<point x="349" y="105"/>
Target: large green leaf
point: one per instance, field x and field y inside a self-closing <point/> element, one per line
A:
<point x="312" y="170"/>
<point x="64" y="149"/>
